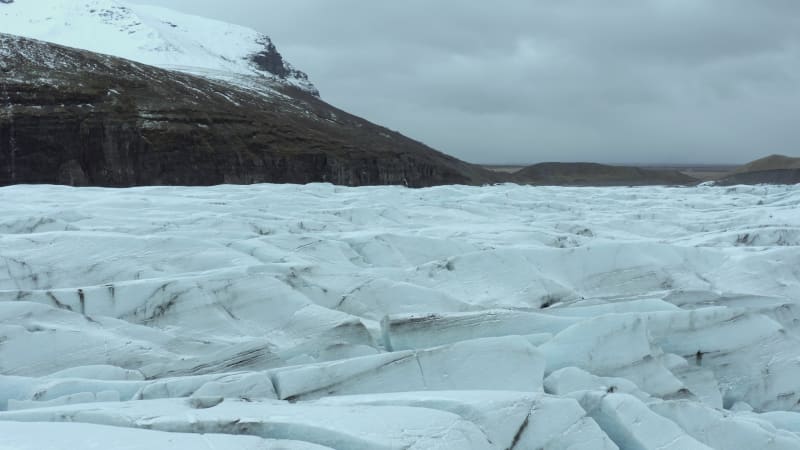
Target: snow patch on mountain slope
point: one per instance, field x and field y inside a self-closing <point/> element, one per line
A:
<point x="155" y="36"/>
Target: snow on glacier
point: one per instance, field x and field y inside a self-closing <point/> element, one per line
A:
<point x="318" y="316"/>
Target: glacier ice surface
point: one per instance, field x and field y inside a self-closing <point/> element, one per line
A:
<point x="318" y="316"/>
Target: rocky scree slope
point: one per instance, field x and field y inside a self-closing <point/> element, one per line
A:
<point x="74" y="117"/>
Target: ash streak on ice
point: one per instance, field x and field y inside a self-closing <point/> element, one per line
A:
<point x="282" y="316"/>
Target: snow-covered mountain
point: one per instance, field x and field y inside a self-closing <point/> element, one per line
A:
<point x="76" y="117"/>
<point x="155" y="36"/>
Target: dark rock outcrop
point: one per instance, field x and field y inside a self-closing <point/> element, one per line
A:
<point x="270" y="60"/>
<point x="592" y="174"/>
<point x="74" y="117"/>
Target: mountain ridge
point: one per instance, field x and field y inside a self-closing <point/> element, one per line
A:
<point x="155" y="36"/>
<point x="248" y="63"/>
<point x="76" y="117"/>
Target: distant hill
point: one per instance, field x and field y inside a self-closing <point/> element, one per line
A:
<point x="592" y="174"/>
<point x="774" y="169"/>
<point x="780" y="176"/>
<point x="772" y="162"/>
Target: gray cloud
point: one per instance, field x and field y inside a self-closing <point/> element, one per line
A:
<point x="625" y="81"/>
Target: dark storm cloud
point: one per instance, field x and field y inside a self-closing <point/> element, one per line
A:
<point x="641" y="81"/>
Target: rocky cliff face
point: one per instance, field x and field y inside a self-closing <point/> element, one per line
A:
<point x="79" y="118"/>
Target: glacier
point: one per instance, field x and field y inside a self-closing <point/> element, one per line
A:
<point x="453" y="317"/>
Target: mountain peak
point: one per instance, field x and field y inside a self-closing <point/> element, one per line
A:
<point x="77" y="117"/>
<point x="156" y="36"/>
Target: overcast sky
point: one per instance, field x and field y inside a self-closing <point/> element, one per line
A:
<point x="523" y="81"/>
